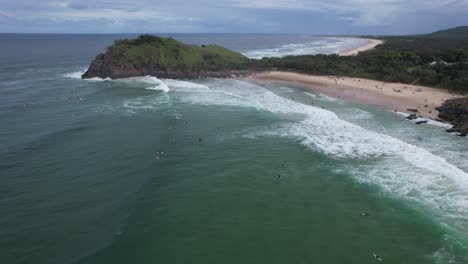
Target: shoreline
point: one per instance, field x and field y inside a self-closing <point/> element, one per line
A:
<point x="399" y="97"/>
<point x="371" y="43"/>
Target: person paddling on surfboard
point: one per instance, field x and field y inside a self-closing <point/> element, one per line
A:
<point x="377" y="257"/>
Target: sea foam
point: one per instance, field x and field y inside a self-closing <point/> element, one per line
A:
<point x="399" y="168"/>
<point x="429" y="121"/>
<point x="149" y="82"/>
<point x="75" y="74"/>
<point x="314" y="46"/>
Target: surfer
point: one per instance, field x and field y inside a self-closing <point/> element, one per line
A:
<point x="377" y="257"/>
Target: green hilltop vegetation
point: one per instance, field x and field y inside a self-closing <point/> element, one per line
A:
<point x="163" y="57"/>
<point x="148" y="49"/>
<point x="460" y="33"/>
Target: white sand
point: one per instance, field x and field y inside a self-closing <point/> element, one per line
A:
<point x="391" y="96"/>
<point x="371" y="43"/>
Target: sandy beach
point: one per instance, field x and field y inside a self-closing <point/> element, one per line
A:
<point x="371" y="43"/>
<point x="391" y="96"/>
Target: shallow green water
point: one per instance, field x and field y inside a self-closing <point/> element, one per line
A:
<point x="250" y="173"/>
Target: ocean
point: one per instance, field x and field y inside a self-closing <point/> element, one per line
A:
<point x="143" y="170"/>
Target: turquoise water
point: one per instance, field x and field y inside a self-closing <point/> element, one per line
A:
<point x="247" y="172"/>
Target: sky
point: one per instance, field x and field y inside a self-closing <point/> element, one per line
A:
<point x="353" y="17"/>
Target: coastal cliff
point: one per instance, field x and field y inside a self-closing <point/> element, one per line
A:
<point x="166" y="58"/>
<point x="455" y="111"/>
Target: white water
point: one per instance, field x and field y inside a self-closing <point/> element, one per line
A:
<point x="74" y="75"/>
<point x="149" y="82"/>
<point x="323" y="97"/>
<point x="315" y="46"/>
<point x="400" y="169"/>
<point x="429" y="121"/>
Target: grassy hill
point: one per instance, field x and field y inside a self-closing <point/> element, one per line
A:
<point x="163" y="57"/>
<point x="457" y="33"/>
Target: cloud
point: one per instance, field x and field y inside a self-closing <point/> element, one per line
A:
<point x="5" y="14"/>
<point x="58" y="4"/>
<point x="364" y="13"/>
<point x="314" y="16"/>
<point x="269" y="4"/>
<point x="77" y="6"/>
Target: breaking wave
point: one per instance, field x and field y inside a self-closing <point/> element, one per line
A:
<point x="401" y="169"/>
<point x="316" y="46"/>
<point x="149" y="82"/>
<point x="429" y="121"/>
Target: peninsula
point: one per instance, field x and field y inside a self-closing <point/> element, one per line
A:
<point x="166" y="58"/>
<point x="406" y="69"/>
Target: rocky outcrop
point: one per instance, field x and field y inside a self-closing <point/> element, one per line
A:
<point x="166" y="58"/>
<point x="412" y="117"/>
<point x="104" y="66"/>
<point x="455" y="111"/>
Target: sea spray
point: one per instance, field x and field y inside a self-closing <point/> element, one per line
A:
<point x="153" y="82"/>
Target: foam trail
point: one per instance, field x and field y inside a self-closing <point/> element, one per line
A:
<point x="161" y="87"/>
<point x="323" y="97"/>
<point x="156" y="84"/>
<point x="153" y="82"/>
<point x="429" y="121"/>
<point x="75" y="75"/>
<point x="157" y="102"/>
<point x="402" y="169"/>
<point x="183" y="84"/>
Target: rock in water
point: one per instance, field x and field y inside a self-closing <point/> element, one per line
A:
<point x="412" y="117"/>
<point x="166" y="58"/>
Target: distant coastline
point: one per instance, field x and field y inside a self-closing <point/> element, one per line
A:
<point x="371" y="43"/>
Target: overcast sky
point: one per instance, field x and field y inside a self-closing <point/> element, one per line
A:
<point x="232" y="16"/>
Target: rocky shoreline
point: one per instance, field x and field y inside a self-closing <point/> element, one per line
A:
<point x="98" y="70"/>
<point x="105" y="66"/>
<point x="167" y="58"/>
<point x="455" y="111"/>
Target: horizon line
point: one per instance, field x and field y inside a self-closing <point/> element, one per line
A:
<point x="196" y="33"/>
